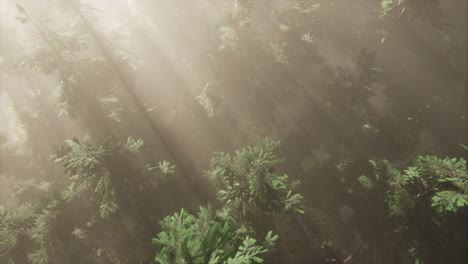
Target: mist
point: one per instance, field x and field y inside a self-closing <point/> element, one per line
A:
<point x="233" y="131"/>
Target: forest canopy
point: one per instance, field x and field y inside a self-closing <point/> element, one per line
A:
<point x="233" y="131"/>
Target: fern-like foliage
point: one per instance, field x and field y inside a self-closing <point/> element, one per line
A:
<point x="65" y="52"/>
<point x="248" y="185"/>
<point x="207" y="239"/>
<point x="423" y="201"/>
<point x="208" y="97"/>
<point x="442" y="183"/>
<point x="15" y="226"/>
<point x="101" y="170"/>
<point x="42" y="233"/>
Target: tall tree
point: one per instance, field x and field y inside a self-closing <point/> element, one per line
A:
<point x="420" y="209"/>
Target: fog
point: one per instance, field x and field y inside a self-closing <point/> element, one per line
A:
<point x="123" y="105"/>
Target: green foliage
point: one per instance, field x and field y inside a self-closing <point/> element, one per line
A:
<point x="207" y="238"/>
<point x="449" y="201"/>
<point x="134" y="145"/>
<point x="248" y="185"/>
<point x="429" y="193"/>
<point x="428" y="10"/>
<point x="41" y="233"/>
<point x="100" y="174"/>
<point x="87" y="167"/>
<point x="33" y="187"/>
<point x="15" y="234"/>
<point x="102" y="169"/>
<point x="166" y="167"/>
<point x="281" y="69"/>
<point x="443" y="182"/>
<point x="27" y="233"/>
<point x="248" y="189"/>
<point x="235" y="23"/>
<point x="66" y="53"/>
<point x="209" y="99"/>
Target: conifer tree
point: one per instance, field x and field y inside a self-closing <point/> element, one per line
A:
<point x="207" y="238"/>
<point x="249" y="188"/>
<point x="421" y="206"/>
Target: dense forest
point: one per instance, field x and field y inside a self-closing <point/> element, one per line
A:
<point x="233" y="131"/>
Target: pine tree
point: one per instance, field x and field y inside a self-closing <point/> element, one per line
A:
<point x="425" y="204"/>
<point x="249" y="188"/>
<point x="207" y="238"/>
<point x="15" y="232"/>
